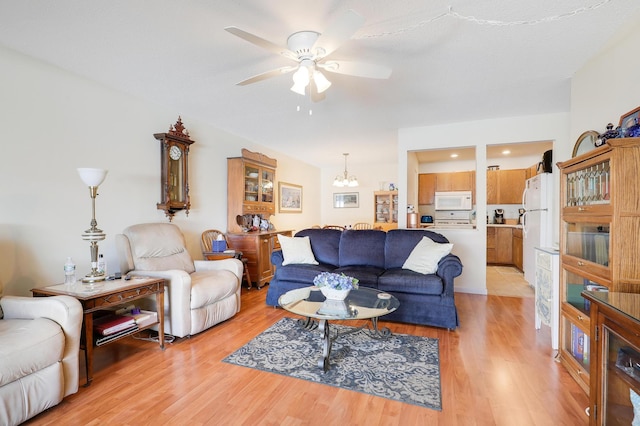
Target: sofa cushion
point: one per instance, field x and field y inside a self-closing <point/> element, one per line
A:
<point x="206" y="290"/>
<point x="325" y="244"/>
<point x="425" y="256"/>
<point x="405" y="281"/>
<point x="401" y="242"/>
<point x="362" y="248"/>
<point x="27" y="346"/>
<point x="296" y="250"/>
<point x="367" y="275"/>
<point x="304" y="273"/>
<point x="158" y="247"/>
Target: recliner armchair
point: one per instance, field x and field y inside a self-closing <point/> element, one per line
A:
<point x="39" y="346"/>
<point x="198" y="295"/>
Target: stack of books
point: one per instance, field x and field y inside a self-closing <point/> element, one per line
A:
<point x="110" y="327"/>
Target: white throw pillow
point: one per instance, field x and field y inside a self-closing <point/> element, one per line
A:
<point x="425" y="256"/>
<point x="296" y="250"/>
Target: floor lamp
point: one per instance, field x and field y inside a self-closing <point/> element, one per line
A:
<point x="93" y="178"/>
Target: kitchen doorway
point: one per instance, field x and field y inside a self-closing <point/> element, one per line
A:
<point x="507" y="281"/>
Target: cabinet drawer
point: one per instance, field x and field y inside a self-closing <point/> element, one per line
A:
<point x="517" y="232"/>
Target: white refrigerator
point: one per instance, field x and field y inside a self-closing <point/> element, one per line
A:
<point x="537" y="200"/>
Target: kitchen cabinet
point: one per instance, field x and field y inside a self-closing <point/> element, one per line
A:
<point x="385" y="214"/>
<point x="426" y="188"/>
<point x="599" y="222"/>
<point x="429" y="183"/>
<point x="250" y="187"/>
<point x="456" y="181"/>
<point x="257" y="247"/>
<point x="505" y="186"/>
<point x="499" y="245"/>
<point x="516" y="248"/>
<point x="615" y="377"/>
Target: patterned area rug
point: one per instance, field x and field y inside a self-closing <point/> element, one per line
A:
<point x="401" y="367"/>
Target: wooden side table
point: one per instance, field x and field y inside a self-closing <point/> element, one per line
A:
<point x="106" y="295"/>
<point x="219" y="255"/>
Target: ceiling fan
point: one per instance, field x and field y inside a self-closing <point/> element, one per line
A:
<point x="311" y="50"/>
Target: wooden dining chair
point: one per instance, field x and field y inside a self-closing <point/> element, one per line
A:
<point x="338" y="227"/>
<point x="206" y="242"/>
<point x="362" y="225"/>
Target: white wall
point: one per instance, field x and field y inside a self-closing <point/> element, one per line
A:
<point x="607" y="86"/>
<point x="369" y="179"/>
<point x="53" y="122"/>
<point x="470" y="244"/>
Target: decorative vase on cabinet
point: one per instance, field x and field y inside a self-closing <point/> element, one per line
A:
<point x="600" y="216"/>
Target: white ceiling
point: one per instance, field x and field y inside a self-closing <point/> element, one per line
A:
<point x="446" y="68"/>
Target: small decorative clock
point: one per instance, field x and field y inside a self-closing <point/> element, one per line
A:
<point x="174" y="170"/>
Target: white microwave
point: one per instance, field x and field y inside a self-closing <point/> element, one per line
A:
<point x="453" y="200"/>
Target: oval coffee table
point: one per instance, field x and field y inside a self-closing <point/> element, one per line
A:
<point x="363" y="303"/>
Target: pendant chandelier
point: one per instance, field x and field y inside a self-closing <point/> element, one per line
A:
<point x="345" y="180"/>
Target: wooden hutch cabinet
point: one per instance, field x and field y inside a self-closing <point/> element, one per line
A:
<point x="599" y="225"/>
<point x="257" y="247"/>
<point x="615" y="364"/>
<point x="250" y="187"/>
<point x="385" y="210"/>
<point x="250" y="192"/>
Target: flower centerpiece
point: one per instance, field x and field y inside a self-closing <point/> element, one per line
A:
<point x="335" y="286"/>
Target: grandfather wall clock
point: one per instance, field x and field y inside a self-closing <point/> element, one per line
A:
<point x="174" y="169"/>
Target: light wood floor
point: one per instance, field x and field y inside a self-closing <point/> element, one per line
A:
<point x="496" y="370"/>
<point x="507" y="281"/>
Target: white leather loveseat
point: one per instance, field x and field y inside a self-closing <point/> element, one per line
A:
<point x="39" y="345"/>
<point x="198" y="295"/>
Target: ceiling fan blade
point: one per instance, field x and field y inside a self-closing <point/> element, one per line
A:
<point x="260" y="42"/>
<point x="313" y="90"/>
<point x="266" y="75"/>
<point x="358" y="69"/>
<point x="339" y="31"/>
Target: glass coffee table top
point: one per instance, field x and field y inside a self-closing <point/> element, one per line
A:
<point x="363" y="303"/>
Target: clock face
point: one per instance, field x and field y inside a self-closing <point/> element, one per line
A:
<point x="175" y="153"/>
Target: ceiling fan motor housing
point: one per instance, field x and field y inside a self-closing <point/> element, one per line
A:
<point x="302" y="42"/>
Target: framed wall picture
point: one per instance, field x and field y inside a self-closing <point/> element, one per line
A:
<point x="343" y="200"/>
<point x="629" y="119"/>
<point x="290" y="198"/>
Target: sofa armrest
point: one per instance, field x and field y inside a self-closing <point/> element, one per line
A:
<point x="277" y="258"/>
<point x="65" y="311"/>
<point x="231" y="264"/>
<point x="449" y="267"/>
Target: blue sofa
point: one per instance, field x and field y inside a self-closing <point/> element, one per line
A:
<point x="376" y="258"/>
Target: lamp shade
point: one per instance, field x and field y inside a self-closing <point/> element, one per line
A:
<point x="92" y="177"/>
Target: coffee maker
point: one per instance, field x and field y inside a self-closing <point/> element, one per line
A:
<point x="521" y="217"/>
<point x="499" y="216"/>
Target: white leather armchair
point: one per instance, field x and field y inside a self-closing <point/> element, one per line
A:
<point x="39" y="345"/>
<point x="198" y="295"/>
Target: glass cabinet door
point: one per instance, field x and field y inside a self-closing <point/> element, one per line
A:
<point x="575" y="342"/>
<point x="621" y="379"/>
<point x="576" y="284"/>
<point x="266" y="186"/>
<point x="588" y="241"/>
<point x="589" y="186"/>
<point x="251" y="177"/>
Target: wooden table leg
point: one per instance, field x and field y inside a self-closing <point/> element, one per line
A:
<point x="88" y="346"/>
<point x="160" y="307"/>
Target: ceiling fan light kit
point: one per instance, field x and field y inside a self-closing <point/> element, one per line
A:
<point x="310" y="49"/>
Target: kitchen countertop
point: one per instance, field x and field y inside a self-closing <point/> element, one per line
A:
<point x="505" y="225"/>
